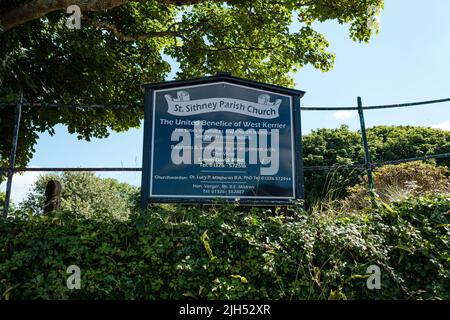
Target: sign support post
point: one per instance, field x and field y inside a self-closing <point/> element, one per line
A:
<point x="146" y="154"/>
<point x="367" y="161"/>
<point x="300" y="176"/>
<point x="12" y="157"/>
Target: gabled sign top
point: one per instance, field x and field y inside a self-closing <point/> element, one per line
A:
<point x="225" y="77"/>
<point x="221" y="137"/>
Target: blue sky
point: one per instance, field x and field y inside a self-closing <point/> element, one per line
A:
<point x="409" y="60"/>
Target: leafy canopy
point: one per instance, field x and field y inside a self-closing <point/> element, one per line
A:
<point x="324" y="147"/>
<point x="122" y="44"/>
<point x="85" y="194"/>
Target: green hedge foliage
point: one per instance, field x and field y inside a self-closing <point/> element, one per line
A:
<point x="397" y="182"/>
<point x="226" y="252"/>
<point x="340" y="146"/>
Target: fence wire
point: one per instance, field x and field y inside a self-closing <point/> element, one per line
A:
<point x="386" y="106"/>
<point x="368" y="165"/>
<point x="307" y="108"/>
<point x="352" y="166"/>
<point x="306" y="168"/>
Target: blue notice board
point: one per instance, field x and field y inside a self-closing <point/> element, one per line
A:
<point x="221" y="139"/>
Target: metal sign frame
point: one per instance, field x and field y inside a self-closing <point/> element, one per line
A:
<point x="150" y="91"/>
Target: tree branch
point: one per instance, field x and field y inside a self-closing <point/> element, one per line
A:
<point x="38" y="8"/>
<point x="130" y="38"/>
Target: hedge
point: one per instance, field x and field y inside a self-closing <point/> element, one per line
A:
<point x="227" y="252"/>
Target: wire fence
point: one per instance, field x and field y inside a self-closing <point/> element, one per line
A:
<point x="356" y="166"/>
<point x="308" y="108"/>
<point x="368" y="165"/>
<point x="373" y="165"/>
<point x="386" y="106"/>
<point x="352" y="166"/>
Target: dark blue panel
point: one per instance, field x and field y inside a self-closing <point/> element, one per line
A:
<point x="189" y="121"/>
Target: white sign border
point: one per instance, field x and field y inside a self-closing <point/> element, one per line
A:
<point x="151" y="194"/>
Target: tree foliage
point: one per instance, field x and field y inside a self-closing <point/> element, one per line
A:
<point x="2" y="202"/>
<point x="85" y="194"/>
<point x="125" y="43"/>
<point x="341" y="146"/>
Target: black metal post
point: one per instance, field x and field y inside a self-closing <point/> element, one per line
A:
<point x="367" y="161"/>
<point x="12" y="157"/>
<point x="299" y="171"/>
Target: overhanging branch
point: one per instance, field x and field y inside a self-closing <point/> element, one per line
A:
<point x="130" y="38"/>
<point x="38" y="8"/>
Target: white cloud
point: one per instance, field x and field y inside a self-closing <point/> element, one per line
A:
<point x="343" y="115"/>
<point x="443" y="126"/>
<point x="22" y="183"/>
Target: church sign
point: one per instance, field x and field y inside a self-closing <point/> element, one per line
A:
<point x="221" y="137"/>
